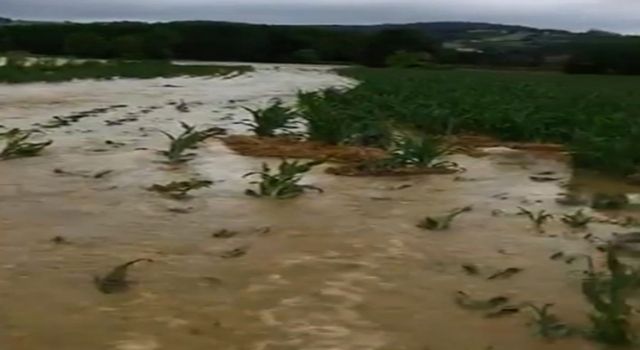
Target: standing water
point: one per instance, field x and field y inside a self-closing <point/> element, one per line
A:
<point x="347" y="269"/>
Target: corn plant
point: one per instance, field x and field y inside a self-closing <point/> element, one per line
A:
<point x="325" y="122"/>
<point x="180" y="189"/>
<point x="267" y="121"/>
<point x="538" y="219"/>
<point x="180" y="144"/>
<point x="608" y="292"/>
<point x="11" y="133"/>
<point x="441" y="223"/>
<point x="547" y="325"/>
<point x="18" y="146"/>
<point x="116" y="280"/>
<point x="369" y="132"/>
<point x="420" y="151"/>
<point x="578" y="219"/>
<point x="284" y="183"/>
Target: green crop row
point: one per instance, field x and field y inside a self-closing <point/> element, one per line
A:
<point x="598" y="117"/>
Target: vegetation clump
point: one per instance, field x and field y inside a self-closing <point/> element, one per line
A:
<point x="180" y="189"/>
<point x="283" y="184"/>
<point x="547" y="325"/>
<point x="116" y="280"/>
<point x="443" y="222"/>
<point x="265" y="122"/>
<point x="408" y="155"/>
<point x="187" y="140"/>
<point x="18" y="146"/>
<point x="578" y="219"/>
<point x="608" y="293"/>
<point x="538" y="219"/>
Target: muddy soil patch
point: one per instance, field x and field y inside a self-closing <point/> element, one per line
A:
<point x="362" y="169"/>
<point x="289" y="147"/>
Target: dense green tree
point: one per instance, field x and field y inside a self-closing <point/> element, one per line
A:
<point x="159" y="43"/>
<point x="5" y="41"/>
<point x="129" y="47"/>
<point x="305" y="56"/>
<point x="606" y="56"/>
<point x="85" y="44"/>
<point x="386" y="42"/>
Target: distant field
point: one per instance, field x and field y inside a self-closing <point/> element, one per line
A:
<point x="597" y="116"/>
<point x="47" y="70"/>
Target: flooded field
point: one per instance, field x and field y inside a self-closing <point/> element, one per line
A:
<point x="347" y="269"/>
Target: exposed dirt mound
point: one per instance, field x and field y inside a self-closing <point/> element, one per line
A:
<point x="288" y="147"/>
<point x="362" y="169"/>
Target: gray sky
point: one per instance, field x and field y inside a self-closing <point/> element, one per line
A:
<point x="613" y="15"/>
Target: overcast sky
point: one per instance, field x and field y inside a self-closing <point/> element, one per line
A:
<point x="613" y="15"/>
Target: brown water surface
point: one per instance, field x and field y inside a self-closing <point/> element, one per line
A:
<point x="347" y="269"/>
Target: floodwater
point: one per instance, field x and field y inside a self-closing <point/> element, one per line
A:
<point x="343" y="270"/>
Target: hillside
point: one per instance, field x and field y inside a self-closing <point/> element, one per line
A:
<point x="482" y="36"/>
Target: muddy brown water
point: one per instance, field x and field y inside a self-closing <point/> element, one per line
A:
<point x="347" y="269"/>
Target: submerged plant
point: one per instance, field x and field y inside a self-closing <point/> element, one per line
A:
<point x="180" y="189"/>
<point x="607" y="292"/>
<point x="188" y="139"/>
<point x="606" y="201"/>
<point x="492" y="308"/>
<point x="465" y="301"/>
<point x="538" y="218"/>
<point x="285" y="182"/>
<point x="547" y="325"/>
<point x="266" y="121"/>
<point x="116" y="280"/>
<point x="506" y="273"/>
<point x="440" y="223"/>
<point x="17" y="145"/>
<point x="182" y="107"/>
<point x="577" y="219"/>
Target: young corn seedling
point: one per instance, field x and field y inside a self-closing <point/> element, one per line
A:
<point x="607" y="292"/>
<point x="538" y="218"/>
<point x="577" y="220"/>
<point x="17" y="145"/>
<point x="188" y="139"/>
<point x="183" y="107"/>
<point x="284" y="183"/>
<point x="421" y="152"/>
<point x="180" y="189"/>
<point x="441" y="223"/>
<point x="116" y="280"/>
<point x="267" y="121"/>
<point x="547" y="325"/>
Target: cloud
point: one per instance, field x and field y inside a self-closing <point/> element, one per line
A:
<point x="615" y="15"/>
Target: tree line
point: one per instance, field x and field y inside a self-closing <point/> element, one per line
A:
<point x="221" y="41"/>
<point x="212" y="41"/>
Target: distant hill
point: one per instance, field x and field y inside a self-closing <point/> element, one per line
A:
<point x="481" y="36"/>
<point x="470" y="37"/>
